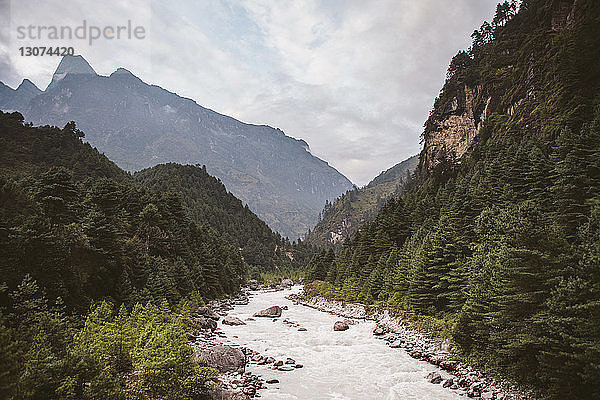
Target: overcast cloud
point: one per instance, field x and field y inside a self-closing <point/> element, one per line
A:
<point x="355" y="79"/>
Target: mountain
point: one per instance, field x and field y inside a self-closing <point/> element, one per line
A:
<point x="399" y="171"/>
<point x="496" y="246"/>
<point x="139" y="125"/>
<point x="73" y="65"/>
<point x="19" y="98"/>
<point x="344" y="217"/>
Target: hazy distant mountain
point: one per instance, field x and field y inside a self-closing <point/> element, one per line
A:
<point x="353" y="209"/>
<point x="139" y="125"/>
<point x="19" y="98"/>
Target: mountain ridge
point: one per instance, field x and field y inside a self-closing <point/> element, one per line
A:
<point x="139" y="125"/>
<point x="348" y="213"/>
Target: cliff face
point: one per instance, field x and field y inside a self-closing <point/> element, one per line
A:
<point x="503" y="75"/>
<point x="451" y="134"/>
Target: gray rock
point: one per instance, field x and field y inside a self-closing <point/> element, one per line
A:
<point x="222" y="394"/>
<point x="434" y="377"/>
<point x="287" y="283"/>
<point x="340" y="326"/>
<point x="224" y="358"/>
<point x="208" y="313"/>
<point x="230" y="320"/>
<point x="271" y="312"/>
<point x="205" y="323"/>
<point x="271" y="381"/>
<point x="378" y="331"/>
<point x="285" y="368"/>
<point x="487" y="396"/>
<point x="253" y="284"/>
<point x="302" y="329"/>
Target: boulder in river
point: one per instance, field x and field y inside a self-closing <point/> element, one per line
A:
<point x="287" y="283"/>
<point x="253" y="284"/>
<point x="224" y="358"/>
<point x="302" y="329"/>
<point x="231" y="320"/>
<point x="340" y="326"/>
<point x="271" y="312"/>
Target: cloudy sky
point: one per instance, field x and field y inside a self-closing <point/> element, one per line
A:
<point x="354" y="78"/>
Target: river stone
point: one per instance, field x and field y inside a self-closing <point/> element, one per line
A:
<point x="434" y="377"/>
<point x="271" y="381"/>
<point x="287" y="283"/>
<point x="378" y="331"/>
<point x="230" y="320"/>
<point x="222" y="394"/>
<point x="487" y="396"/>
<point x="290" y="361"/>
<point x="208" y="313"/>
<point x="340" y="326"/>
<point x="205" y="323"/>
<point x="285" y="368"/>
<point x="271" y="312"/>
<point x="224" y="358"/>
<point x="302" y="329"/>
<point x="298" y="366"/>
<point x="396" y="344"/>
<point x="278" y="363"/>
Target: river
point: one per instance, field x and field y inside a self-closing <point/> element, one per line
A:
<point x="352" y="364"/>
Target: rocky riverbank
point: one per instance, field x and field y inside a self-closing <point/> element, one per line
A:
<point x="463" y="379"/>
<point x="210" y="345"/>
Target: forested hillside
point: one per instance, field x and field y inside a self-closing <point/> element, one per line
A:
<point x="349" y="212"/>
<point x="207" y="201"/>
<point x="499" y="244"/>
<point x="139" y="125"/>
<point x="98" y="274"/>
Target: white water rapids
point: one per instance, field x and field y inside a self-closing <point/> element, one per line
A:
<point x="352" y="364"/>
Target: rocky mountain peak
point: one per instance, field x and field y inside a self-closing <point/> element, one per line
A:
<point x="28" y="86"/>
<point x="72" y="65"/>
